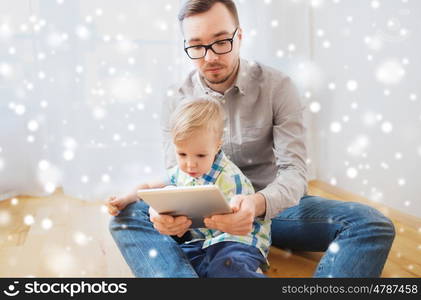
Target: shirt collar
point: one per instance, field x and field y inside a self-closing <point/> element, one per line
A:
<point x="242" y="76"/>
<point x="239" y="84"/>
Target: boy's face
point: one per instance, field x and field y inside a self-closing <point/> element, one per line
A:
<point x="196" y="155"/>
<point x="203" y="29"/>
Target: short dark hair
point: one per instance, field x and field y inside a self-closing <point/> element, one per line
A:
<point x="195" y="7"/>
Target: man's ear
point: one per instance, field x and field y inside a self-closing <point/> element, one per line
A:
<point x="240" y="34"/>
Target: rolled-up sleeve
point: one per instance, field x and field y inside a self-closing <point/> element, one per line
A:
<point x="290" y="184"/>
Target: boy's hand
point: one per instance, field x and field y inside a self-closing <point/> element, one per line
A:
<point x="115" y="205"/>
<point x="240" y="221"/>
<point x="169" y="225"/>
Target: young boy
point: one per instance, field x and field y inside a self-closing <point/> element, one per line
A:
<point x="197" y="128"/>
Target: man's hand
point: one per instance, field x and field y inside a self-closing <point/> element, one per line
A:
<point x="240" y="221"/>
<point x="169" y="225"/>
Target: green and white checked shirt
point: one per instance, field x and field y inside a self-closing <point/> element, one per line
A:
<point x="231" y="181"/>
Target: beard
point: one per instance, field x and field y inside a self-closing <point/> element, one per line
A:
<point x="213" y="78"/>
<point x="219" y="81"/>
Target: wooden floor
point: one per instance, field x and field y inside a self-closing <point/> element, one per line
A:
<point x="70" y="238"/>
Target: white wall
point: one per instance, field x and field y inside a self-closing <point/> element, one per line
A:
<point x="63" y="64"/>
<point x="82" y="82"/>
<point x="377" y="151"/>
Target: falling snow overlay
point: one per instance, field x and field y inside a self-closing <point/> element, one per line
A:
<point x="81" y="84"/>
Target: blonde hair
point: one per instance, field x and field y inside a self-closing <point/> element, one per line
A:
<point x="195" y="114"/>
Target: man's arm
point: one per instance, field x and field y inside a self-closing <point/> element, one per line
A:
<point x="290" y="151"/>
<point x="259" y="204"/>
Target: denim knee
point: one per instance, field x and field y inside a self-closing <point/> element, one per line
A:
<point x="373" y="218"/>
<point x="387" y="225"/>
<point x="136" y="211"/>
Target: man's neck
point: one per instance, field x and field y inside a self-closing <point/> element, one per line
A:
<point x="223" y="87"/>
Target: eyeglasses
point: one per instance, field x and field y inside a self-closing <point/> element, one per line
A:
<point x="218" y="47"/>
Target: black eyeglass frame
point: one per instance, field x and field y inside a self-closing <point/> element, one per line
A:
<point x="209" y="46"/>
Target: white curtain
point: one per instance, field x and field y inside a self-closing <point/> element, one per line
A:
<point x="81" y="84"/>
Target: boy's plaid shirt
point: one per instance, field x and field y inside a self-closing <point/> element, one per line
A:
<point x="231" y="181"/>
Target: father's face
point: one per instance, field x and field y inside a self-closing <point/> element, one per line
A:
<point x="206" y="28"/>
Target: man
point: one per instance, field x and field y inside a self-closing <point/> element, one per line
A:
<point x="264" y="136"/>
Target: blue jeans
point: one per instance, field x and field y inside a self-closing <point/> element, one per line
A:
<point x="356" y="238"/>
<point x="224" y="259"/>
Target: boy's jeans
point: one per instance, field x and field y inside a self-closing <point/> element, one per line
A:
<point x="224" y="259"/>
<point x="357" y="239"/>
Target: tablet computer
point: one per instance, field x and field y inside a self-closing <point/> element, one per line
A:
<point x="195" y="202"/>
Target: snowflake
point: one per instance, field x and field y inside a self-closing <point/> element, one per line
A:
<point x="351" y="173"/>
<point x="6" y="70"/>
<point x="29" y="220"/>
<point x="4" y="217"/>
<point x="60" y="262"/>
<point x="33" y="125"/>
<point x="390" y="72"/>
<point x="315" y="107"/>
<point x="401" y="181"/>
<point x="359" y="145"/>
<point x="105" y="178"/>
<point x="153" y="253"/>
<point x="316" y="3"/>
<point x="50" y="187"/>
<point x="80" y="238"/>
<point x="82" y="32"/>
<point x="335" y="127"/>
<point x="43" y="165"/>
<point x="352" y="85"/>
<point x="20" y="109"/>
<point x="375" y="4"/>
<point x="46" y="224"/>
<point x="280" y="53"/>
<point x="334" y="247"/>
<point x="326" y="44"/>
<point x="387" y="127"/>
